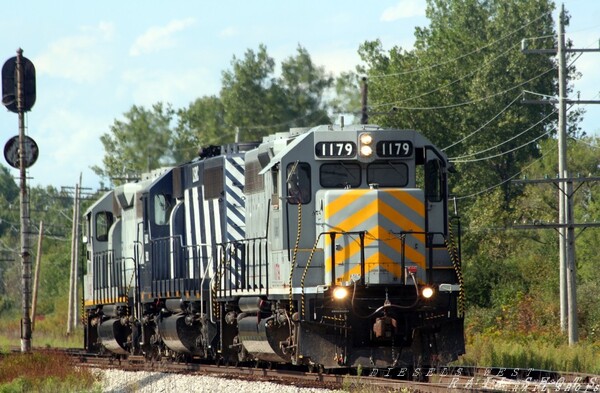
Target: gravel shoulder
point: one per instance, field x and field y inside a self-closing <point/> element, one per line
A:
<point x="117" y="381"/>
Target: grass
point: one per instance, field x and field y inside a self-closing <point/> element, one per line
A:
<point x="42" y="372"/>
<point x="532" y="352"/>
<point x="49" y="332"/>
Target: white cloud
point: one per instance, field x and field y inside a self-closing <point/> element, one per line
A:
<point x="78" y="58"/>
<point x="337" y="60"/>
<point x="228" y="32"/>
<point x="73" y="150"/>
<point x="404" y="9"/>
<point x="176" y="87"/>
<point x="159" y="38"/>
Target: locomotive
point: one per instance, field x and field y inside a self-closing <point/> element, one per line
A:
<point x="331" y="246"/>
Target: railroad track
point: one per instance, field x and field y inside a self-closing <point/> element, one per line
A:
<point x="427" y="380"/>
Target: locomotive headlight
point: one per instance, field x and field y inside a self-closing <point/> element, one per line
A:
<point x="340" y="293"/>
<point x="366" y="139"/>
<point x="427" y="292"/>
<point x="366" y="151"/>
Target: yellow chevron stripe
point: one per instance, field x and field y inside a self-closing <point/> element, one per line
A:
<point x="394" y="216"/>
<point x="375" y="233"/>
<point x="371" y="263"/>
<point x="354" y="220"/>
<point x="348" y="252"/>
<point x="409" y="200"/>
<point x="394" y="268"/>
<point x="342" y="201"/>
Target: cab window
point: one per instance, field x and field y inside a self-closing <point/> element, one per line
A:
<point x="388" y="174"/>
<point x="162" y="208"/>
<point x="433" y="181"/>
<point x="340" y="175"/>
<point x="298" y="183"/>
<point x="103" y="222"/>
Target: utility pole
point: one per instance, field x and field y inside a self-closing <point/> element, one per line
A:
<point x="364" y="118"/>
<point x="36" y="276"/>
<point x="72" y="310"/>
<point x="566" y="226"/>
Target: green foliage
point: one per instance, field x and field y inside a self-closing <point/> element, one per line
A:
<point x="461" y="82"/>
<point x="139" y="143"/>
<point x="259" y="103"/>
<point x="201" y="124"/>
<point x="460" y="85"/>
<point x="54" y="208"/>
<point x="346" y="99"/>
<point x="531" y="352"/>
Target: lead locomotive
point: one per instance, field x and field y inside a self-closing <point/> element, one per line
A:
<point x="326" y="246"/>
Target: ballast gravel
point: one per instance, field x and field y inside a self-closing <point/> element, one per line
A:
<point x="117" y="381"/>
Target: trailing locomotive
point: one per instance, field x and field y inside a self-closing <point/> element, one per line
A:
<point x="326" y="246"/>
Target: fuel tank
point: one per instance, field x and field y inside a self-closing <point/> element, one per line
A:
<point x="179" y="336"/>
<point x="114" y="335"/>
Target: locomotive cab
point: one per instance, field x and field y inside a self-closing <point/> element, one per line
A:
<point x="359" y="251"/>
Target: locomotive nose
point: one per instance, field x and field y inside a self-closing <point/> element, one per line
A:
<point x="375" y="234"/>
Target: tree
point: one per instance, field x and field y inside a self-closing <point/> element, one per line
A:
<point x="250" y="93"/>
<point x="347" y="99"/>
<point x="138" y="144"/>
<point x="201" y="124"/>
<point x="258" y="103"/>
<point x="304" y="84"/>
<point x="461" y="85"/>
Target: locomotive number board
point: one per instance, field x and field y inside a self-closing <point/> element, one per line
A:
<point x="394" y="148"/>
<point x="335" y="149"/>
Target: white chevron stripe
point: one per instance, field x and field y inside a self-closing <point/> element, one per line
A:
<point x="188" y="231"/>
<point x="217" y="223"/>
<point x="197" y="225"/>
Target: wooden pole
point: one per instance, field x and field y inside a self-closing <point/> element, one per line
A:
<point x="36" y="276"/>
<point x="76" y="252"/>
<point x="72" y="276"/>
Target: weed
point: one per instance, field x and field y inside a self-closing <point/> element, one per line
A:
<point x="499" y="351"/>
<point x="42" y="372"/>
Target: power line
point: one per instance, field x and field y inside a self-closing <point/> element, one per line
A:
<point x="579" y="140"/>
<point x="479" y="69"/>
<point x="471" y="101"/>
<point x="484" y="125"/>
<point x="461" y="56"/>
<point x="505" y="152"/>
<point x="507" y="180"/>
<point x="456" y="159"/>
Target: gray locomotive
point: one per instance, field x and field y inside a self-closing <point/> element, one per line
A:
<point x="327" y="246"/>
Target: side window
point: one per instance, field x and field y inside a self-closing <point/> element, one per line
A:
<point x="162" y="208"/>
<point x="103" y="222"/>
<point x="433" y="181"/>
<point x="298" y="183"/>
<point x="214" y="186"/>
<point x="254" y="182"/>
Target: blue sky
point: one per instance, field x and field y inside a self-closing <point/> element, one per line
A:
<point x="95" y="60"/>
